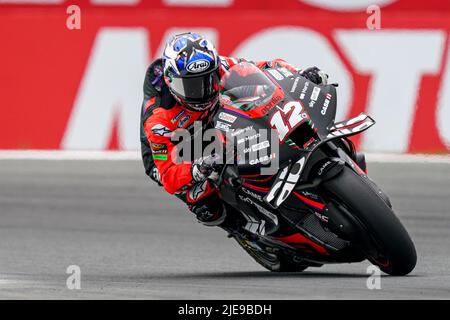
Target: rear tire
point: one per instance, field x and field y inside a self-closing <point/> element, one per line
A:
<point x="396" y="252"/>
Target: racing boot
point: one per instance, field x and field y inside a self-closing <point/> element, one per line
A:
<point x="209" y="213"/>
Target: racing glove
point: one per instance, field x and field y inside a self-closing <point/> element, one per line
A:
<point x="315" y="75"/>
<point x="206" y="168"/>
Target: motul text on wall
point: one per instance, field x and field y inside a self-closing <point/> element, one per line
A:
<point x="82" y="89"/>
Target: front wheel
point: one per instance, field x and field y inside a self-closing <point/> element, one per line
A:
<point x="395" y="251"/>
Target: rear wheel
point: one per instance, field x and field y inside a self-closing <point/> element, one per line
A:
<point x="392" y="249"/>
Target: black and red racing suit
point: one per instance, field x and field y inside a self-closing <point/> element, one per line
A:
<point x="161" y="115"/>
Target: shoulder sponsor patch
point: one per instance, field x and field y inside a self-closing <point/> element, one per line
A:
<point x="178" y="116"/>
<point x="183" y="121"/>
<point x="160" y="130"/>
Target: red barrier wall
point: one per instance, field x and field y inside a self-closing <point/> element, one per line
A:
<point x="81" y="89"/>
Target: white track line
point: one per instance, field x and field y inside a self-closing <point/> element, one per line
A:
<point x="135" y="155"/>
<point x="69" y="155"/>
<point x="407" y="158"/>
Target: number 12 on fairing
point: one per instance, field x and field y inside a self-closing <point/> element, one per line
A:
<point x="287" y="119"/>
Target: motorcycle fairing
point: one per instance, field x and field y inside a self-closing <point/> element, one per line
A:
<point x="254" y="210"/>
<point x="284" y="184"/>
<point x="351" y="127"/>
<point x="320" y="104"/>
<point x="319" y="101"/>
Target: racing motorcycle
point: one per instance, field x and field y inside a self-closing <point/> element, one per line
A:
<point x="320" y="206"/>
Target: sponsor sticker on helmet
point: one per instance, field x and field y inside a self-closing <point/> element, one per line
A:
<point x="198" y="66"/>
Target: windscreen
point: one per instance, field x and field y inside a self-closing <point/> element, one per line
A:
<point x="246" y="87"/>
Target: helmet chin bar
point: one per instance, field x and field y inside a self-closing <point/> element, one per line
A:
<point x="197" y="107"/>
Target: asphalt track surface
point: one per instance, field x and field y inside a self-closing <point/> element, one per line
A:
<point x="133" y="241"/>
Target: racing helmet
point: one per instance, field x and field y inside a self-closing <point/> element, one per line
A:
<point x="191" y="71"/>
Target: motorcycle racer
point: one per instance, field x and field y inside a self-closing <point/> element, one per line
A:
<point x="180" y="88"/>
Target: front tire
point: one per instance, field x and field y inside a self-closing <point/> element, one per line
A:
<point x="396" y="252"/>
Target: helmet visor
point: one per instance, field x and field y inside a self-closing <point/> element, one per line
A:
<point x="196" y="89"/>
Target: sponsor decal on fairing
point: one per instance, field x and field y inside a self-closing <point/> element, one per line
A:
<point x="261" y="209"/>
<point x="227" y="117"/>
<point x="303" y="93"/>
<point x="294" y="85"/>
<point x="326" y="104"/>
<point x="277" y="75"/>
<point x="222" y="126"/>
<point x="286" y="72"/>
